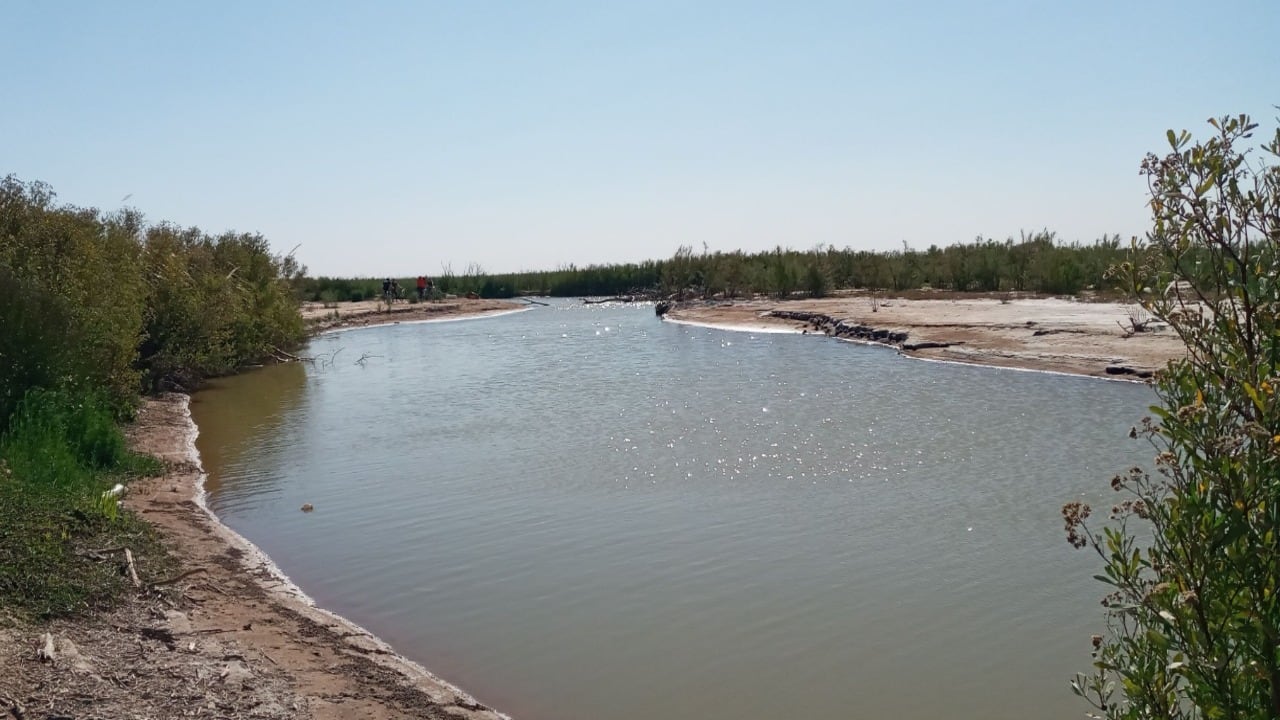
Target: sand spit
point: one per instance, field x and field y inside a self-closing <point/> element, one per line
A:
<point x="1050" y="334"/>
<point x="233" y="639"/>
<point x="370" y="313"/>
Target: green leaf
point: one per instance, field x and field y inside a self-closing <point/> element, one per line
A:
<point x="1173" y="140"/>
<point x="1253" y="395"/>
<point x="1158" y="639"/>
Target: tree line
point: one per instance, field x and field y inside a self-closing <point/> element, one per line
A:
<point x="1034" y="262"/>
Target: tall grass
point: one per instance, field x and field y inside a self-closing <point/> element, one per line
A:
<point x="58" y="457"/>
<point x="57" y="443"/>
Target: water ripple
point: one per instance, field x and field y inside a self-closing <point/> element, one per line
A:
<point x="595" y="514"/>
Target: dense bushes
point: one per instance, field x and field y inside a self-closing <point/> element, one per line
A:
<point x="1033" y="263"/>
<point x="94" y="309"/>
<point x="330" y="289"/>
<point x="73" y="276"/>
<point x="216" y="303"/>
<point x="102" y="301"/>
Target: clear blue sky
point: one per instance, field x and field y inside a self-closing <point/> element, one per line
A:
<point x="396" y="137"/>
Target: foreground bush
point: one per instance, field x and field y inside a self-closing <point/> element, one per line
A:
<point x="1192" y="555"/>
<point x="94" y="309"/>
<point x="94" y="301"/>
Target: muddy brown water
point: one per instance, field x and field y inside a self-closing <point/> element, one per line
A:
<point x="585" y="513"/>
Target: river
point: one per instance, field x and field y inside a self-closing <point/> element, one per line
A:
<point x="585" y="513"/>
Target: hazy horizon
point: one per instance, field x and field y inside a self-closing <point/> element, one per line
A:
<point x="401" y="137"/>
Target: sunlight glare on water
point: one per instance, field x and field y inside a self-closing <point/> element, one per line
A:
<point x="584" y="512"/>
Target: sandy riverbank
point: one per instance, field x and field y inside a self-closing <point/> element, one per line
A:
<point x="232" y="640"/>
<point x="1059" y="335"/>
<point x="370" y="312"/>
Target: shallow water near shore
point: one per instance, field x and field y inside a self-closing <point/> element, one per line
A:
<point x="583" y="512"/>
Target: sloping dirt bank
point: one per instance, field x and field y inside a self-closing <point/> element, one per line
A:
<point x="371" y="312"/>
<point x="230" y="640"/>
<point x="1082" y="338"/>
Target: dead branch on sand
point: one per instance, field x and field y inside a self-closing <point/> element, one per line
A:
<point x="179" y="576"/>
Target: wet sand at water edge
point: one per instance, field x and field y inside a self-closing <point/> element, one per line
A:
<point x="227" y="637"/>
<point x="232" y="639"/>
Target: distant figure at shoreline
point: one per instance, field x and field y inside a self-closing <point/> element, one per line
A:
<point x="386" y="290"/>
<point x="422" y="287"/>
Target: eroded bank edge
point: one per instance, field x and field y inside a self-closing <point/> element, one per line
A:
<point x="781" y="329"/>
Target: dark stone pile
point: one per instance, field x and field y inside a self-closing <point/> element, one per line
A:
<point x="848" y="330"/>
<point x="1126" y="370"/>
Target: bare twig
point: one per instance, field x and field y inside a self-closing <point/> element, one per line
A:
<point x="214" y="588"/>
<point x="326" y="359"/>
<point x="133" y="571"/>
<point x="179" y="576"/>
<point x="282" y="356"/>
<point x="1139" y="321"/>
<point x="14" y="708"/>
<point x="106" y="551"/>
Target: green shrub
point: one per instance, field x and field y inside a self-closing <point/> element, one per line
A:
<point x="101" y="301"/>
<point x="1189" y="557"/>
<point x="94" y="308"/>
<point x="37" y="338"/>
<point x="815" y="281"/>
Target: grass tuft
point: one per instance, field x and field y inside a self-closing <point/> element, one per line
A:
<point x="57" y="459"/>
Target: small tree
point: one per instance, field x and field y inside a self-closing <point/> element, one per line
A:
<point x="815" y="278"/>
<point x="1192" y="554"/>
<point x="677" y="273"/>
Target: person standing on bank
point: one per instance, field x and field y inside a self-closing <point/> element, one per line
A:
<point x="422" y="287"/>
